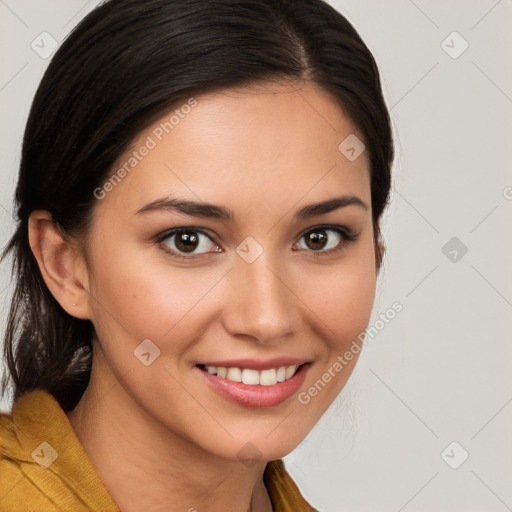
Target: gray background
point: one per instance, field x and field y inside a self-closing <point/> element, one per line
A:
<point x="440" y="371"/>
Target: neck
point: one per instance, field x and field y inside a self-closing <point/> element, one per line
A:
<point x="132" y="451"/>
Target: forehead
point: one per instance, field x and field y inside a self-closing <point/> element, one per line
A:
<point x="267" y="145"/>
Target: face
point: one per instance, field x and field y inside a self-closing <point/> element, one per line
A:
<point x="251" y="283"/>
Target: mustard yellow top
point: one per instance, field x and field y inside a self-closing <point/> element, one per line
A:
<point x="43" y="466"/>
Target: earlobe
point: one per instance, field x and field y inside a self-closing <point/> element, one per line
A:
<point x="59" y="264"/>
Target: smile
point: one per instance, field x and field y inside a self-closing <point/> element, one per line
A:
<point x="252" y="377"/>
<point x="268" y="386"/>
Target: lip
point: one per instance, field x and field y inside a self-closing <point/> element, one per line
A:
<point x="256" y="396"/>
<point x="254" y="364"/>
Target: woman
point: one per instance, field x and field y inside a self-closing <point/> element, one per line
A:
<point x="196" y="254"/>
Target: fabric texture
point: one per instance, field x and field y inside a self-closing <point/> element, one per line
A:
<point x="43" y="466"/>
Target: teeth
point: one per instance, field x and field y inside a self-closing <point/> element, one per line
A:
<point x="290" y="371"/>
<point x="254" y="377"/>
<point x="268" y="377"/>
<point x="250" y="376"/>
<point x="234" y="374"/>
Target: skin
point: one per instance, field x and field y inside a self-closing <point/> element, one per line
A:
<point x="263" y="152"/>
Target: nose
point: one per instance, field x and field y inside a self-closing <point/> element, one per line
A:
<point x="260" y="301"/>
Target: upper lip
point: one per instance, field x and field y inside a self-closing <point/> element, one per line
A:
<point x="256" y="364"/>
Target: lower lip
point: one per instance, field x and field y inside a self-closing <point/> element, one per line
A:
<point x="257" y="395"/>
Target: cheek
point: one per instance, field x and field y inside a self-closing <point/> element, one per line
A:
<point x="135" y="297"/>
<point x="351" y="309"/>
<point x="343" y="307"/>
<point x="344" y="297"/>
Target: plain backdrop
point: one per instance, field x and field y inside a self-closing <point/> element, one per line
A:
<point x="425" y="421"/>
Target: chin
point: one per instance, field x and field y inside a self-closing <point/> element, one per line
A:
<point x="259" y="448"/>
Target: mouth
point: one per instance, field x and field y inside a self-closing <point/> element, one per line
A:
<point x="252" y="377"/>
<point x="248" y="386"/>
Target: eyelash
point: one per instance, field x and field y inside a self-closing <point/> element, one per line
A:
<point x="346" y="234"/>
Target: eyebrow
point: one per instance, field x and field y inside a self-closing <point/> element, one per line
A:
<point x="208" y="210"/>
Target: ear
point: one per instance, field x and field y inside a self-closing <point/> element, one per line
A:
<point x="62" y="267"/>
<point x="380" y="249"/>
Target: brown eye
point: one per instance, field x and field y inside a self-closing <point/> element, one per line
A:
<point x="316" y="240"/>
<point x="326" y="239"/>
<point x="188" y="241"/>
